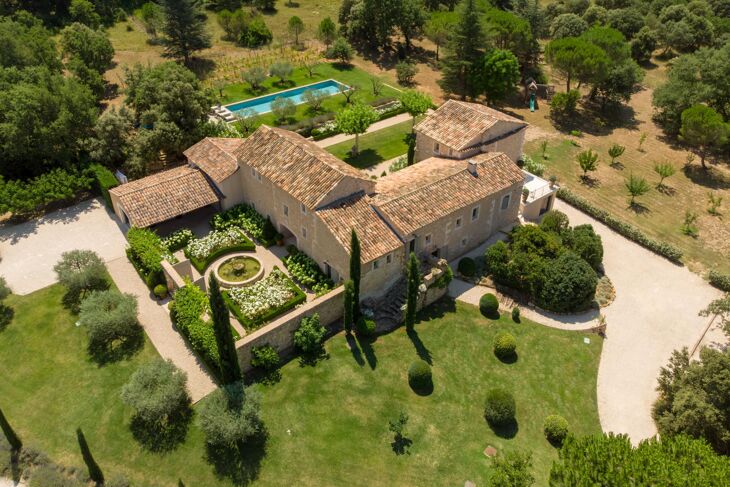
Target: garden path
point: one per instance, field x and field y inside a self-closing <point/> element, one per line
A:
<point x="388" y="122"/>
<point x="655" y="312"/>
<point x="30" y="250"/>
<point x="4" y="482"/>
<point x="155" y="319"/>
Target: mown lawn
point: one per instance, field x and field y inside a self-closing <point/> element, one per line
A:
<point x="375" y="147"/>
<point x="660" y="212"/>
<point x="327" y="424"/>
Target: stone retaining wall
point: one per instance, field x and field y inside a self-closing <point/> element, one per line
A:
<point x="280" y="333"/>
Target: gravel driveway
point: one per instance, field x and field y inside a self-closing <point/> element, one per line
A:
<point x="655" y="312"/>
<point x="29" y="251"/>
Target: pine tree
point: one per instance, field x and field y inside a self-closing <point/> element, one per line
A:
<point x="355" y="271"/>
<point x="229" y="367"/>
<point x="184" y="28"/>
<point x="414" y="281"/>
<point x="349" y="291"/>
<point x="464" y="53"/>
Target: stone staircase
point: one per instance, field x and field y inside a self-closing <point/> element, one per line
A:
<point x="388" y="311"/>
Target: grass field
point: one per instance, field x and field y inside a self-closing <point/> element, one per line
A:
<point x="336" y="412"/>
<point x="375" y="147"/>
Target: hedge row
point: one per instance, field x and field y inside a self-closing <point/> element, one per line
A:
<point x="720" y="281"/>
<point x="186" y="311"/>
<point x="629" y="231"/>
<point x="25" y="198"/>
<point x="256" y="323"/>
<point x="202" y="264"/>
<point x="104" y="180"/>
<point x="146" y="252"/>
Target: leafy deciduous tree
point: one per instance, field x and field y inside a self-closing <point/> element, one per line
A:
<point x="355" y="120"/>
<point x="703" y="129"/>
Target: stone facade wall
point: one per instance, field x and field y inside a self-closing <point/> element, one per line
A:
<point x="280" y="333"/>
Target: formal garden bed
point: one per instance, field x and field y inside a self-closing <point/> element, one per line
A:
<point x="147" y="250"/>
<point x="203" y="251"/>
<point x="264" y="300"/>
<point x="249" y="220"/>
<point x="306" y="271"/>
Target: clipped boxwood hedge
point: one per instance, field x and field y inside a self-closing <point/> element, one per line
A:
<point x="256" y="323"/>
<point x="629" y="231"/>
<point x="202" y="264"/>
<point x="467" y="267"/>
<point x="489" y="305"/>
<point x="186" y="311"/>
<point x="104" y="180"/>
<point x="146" y="252"/>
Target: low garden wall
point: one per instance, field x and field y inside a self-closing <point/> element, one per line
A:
<point x="280" y="333"/>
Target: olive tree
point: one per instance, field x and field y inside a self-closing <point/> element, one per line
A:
<point x="80" y="272"/>
<point x="230" y="416"/>
<point x="110" y="319"/>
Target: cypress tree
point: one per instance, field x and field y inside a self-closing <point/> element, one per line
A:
<point x="355" y="271"/>
<point x="465" y="53"/>
<point x="13" y="439"/>
<point x="184" y="28"/>
<point x="414" y="281"/>
<point x="229" y="367"/>
<point x="349" y="291"/>
<point x="411" y="149"/>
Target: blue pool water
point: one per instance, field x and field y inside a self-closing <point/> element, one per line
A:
<point x="262" y="104"/>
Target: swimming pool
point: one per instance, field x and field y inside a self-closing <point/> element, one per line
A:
<point x="262" y="104"/>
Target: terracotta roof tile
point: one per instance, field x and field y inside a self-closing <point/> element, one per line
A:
<point x="215" y="156"/>
<point x="165" y="195"/>
<point x="295" y="164"/>
<point x="434" y="188"/>
<point x="457" y="124"/>
<point x="376" y="238"/>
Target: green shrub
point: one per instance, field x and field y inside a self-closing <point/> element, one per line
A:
<point x="249" y="220"/>
<point x="467" y="267"/>
<point x="569" y="284"/>
<point x="110" y="319"/>
<point x="720" y="281"/>
<point x="23" y="198"/>
<point x="555" y="221"/>
<point x="556" y="429"/>
<point x="306" y="271"/>
<point x="489" y="305"/>
<point x="80" y="272"/>
<point x="516" y="314"/>
<point x="405" y="72"/>
<point x="104" y="180"/>
<point x="365" y="326"/>
<point x="419" y="375"/>
<point x="505" y="345"/>
<point x="178" y="239"/>
<point x="499" y="407"/>
<point x="265" y="357"/>
<point x="189" y="305"/>
<point x="585" y="242"/>
<point x="666" y="250"/>
<point x="160" y="291"/>
<point x="146" y="252"/>
<point x="309" y="336"/>
<point x="564" y="104"/>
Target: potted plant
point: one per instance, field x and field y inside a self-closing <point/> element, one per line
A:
<point x="279" y="239"/>
<point x="553" y="180"/>
<point x="525" y="194"/>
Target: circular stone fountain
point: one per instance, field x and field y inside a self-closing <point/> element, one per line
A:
<point x="239" y="270"/>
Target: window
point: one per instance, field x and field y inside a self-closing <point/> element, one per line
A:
<point x="286" y="210"/>
<point x="304" y="208"/>
<point x="464" y="241"/>
<point x="253" y="172"/>
<point x="376" y="264"/>
<point x="428" y="239"/>
<point x="458" y="223"/>
<point x="505" y="202"/>
<point x="389" y="258"/>
<point x="436" y="147"/>
<point x="258" y="176"/>
<point x="304" y="232"/>
<point x="474" y="213"/>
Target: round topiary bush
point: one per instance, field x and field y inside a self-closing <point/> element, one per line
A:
<point x="505" y="345"/>
<point x="419" y="376"/>
<point x="365" y="326"/>
<point x="467" y="267"/>
<point x="516" y="314"/>
<point x="160" y="291"/>
<point x="489" y="306"/>
<point x="499" y="407"/>
<point x="556" y="429"/>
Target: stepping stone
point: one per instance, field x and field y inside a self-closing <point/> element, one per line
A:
<point x="490" y="451"/>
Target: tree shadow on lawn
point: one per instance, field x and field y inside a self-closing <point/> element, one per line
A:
<point x="366" y="345"/>
<point x="708" y="178"/>
<point x="589" y="181"/>
<point x="120" y="350"/>
<point x="639" y="208"/>
<point x="507" y="430"/>
<point x="240" y="464"/>
<point x="666" y="190"/>
<point x="437" y="310"/>
<point x="423" y="352"/>
<point x="508" y="359"/>
<point x="162" y="438"/>
<point x="364" y="159"/>
<point x="312" y="359"/>
<point x="400" y="445"/>
<point x="354" y="349"/>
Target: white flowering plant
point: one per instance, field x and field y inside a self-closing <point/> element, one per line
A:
<point x="202" y="248"/>
<point x="274" y="291"/>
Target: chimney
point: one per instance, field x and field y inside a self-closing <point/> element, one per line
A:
<point x="472" y="167"/>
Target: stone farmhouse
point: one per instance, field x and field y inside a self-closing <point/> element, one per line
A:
<point x="461" y="192"/>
